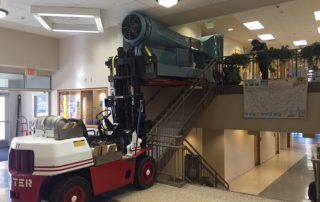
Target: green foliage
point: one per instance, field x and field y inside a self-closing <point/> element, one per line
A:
<point x="231" y="70"/>
<point x="237" y="59"/>
<point x="283" y="53"/>
<point x="231" y="74"/>
<point x="311" y="53"/>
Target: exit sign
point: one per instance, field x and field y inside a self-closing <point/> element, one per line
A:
<point x="31" y="71"/>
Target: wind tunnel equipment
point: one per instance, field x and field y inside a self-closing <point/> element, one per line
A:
<point x="175" y="55"/>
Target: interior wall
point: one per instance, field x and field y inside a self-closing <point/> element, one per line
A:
<point x="213" y="149"/>
<point x="226" y="111"/>
<point x="267" y="145"/>
<point x="283" y="140"/>
<point x="231" y="46"/>
<point x="13" y="100"/>
<point x="238" y="152"/>
<point x="161" y="100"/>
<point x="27" y="105"/>
<point x="24" y="49"/>
<point x="190" y="30"/>
<point x="82" y="61"/>
<point x="195" y="137"/>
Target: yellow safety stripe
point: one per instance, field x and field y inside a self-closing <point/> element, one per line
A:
<point x="114" y="64"/>
<point x="148" y="51"/>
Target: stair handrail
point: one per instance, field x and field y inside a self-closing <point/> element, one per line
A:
<point x="185" y="94"/>
<point x="206" y="164"/>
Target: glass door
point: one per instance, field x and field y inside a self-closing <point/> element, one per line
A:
<point x="3" y="120"/>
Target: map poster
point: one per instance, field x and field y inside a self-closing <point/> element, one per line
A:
<point x="276" y="99"/>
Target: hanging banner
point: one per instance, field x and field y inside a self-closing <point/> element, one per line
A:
<point x="276" y="99"/>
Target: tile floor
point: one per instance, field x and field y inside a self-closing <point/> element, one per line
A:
<point x="252" y="183"/>
<point x="257" y="179"/>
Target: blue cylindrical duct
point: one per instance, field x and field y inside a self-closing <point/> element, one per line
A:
<point x="139" y="29"/>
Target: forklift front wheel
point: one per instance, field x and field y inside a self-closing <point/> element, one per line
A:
<point x="73" y="189"/>
<point x="146" y="172"/>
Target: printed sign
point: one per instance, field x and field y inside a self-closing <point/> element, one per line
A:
<point x="276" y="99"/>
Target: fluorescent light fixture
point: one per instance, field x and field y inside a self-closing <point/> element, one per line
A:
<point x="3" y="13"/>
<point x="266" y="37"/>
<point x="44" y="13"/>
<point x="317" y="15"/>
<point x="74" y="31"/>
<point x="65" y="15"/>
<point x="43" y="22"/>
<point x="254" y="25"/>
<point x="168" y="3"/>
<point x="300" y="43"/>
<point x="319" y="30"/>
<point x="230" y="29"/>
<point x="99" y="24"/>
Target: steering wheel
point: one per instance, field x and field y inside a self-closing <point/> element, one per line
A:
<point x="100" y="118"/>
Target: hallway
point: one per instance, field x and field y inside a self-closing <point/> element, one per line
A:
<point x="271" y="178"/>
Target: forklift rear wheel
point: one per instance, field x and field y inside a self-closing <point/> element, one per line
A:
<point x="146" y="172"/>
<point x="73" y="189"/>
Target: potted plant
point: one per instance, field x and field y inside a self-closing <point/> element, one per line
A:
<point x="232" y="65"/>
<point x="311" y="54"/>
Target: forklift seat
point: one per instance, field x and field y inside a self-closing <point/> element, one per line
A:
<point x="83" y="126"/>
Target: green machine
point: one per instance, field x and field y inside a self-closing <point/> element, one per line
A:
<point x="174" y="55"/>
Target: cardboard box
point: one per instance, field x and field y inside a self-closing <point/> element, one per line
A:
<point x="96" y="151"/>
<point x="104" y="149"/>
<point x="112" y="148"/>
<point x="109" y="157"/>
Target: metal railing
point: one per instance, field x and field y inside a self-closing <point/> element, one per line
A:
<point x="185" y="164"/>
<point x="207" y="175"/>
<point x="167" y="136"/>
<point x="295" y="66"/>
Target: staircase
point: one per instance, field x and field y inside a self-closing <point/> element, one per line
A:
<point x="167" y="138"/>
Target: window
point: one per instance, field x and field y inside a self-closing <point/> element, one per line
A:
<point x="81" y="104"/>
<point x="40" y="105"/>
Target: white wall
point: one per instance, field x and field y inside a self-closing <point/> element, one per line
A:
<point x="267" y="145"/>
<point x="24" y="49"/>
<point x="213" y="149"/>
<point x="82" y="61"/>
<point x="13" y="103"/>
<point x="190" y="30"/>
<point x="195" y="138"/>
<point x="283" y="140"/>
<point x="238" y="153"/>
<point x="230" y="46"/>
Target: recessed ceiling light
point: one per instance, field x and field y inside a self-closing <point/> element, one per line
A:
<point x="230" y="29"/>
<point x="300" y="43"/>
<point x="266" y="37"/>
<point x="168" y="3"/>
<point x="317" y="15"/>
<point x="3" y="13"/>
<point x="254" y="25"/>
<point x="43" y="15"/>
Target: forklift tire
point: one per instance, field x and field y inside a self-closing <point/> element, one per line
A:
<point x="73" y="189"/>
<point x="146" y="173"/>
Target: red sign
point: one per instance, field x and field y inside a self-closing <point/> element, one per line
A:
<point x="31" y="71"/>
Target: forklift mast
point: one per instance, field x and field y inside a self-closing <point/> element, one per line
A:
<point x="127" y="98"/>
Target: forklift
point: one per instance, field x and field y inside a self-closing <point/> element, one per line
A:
<point x="62" y="161"/>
